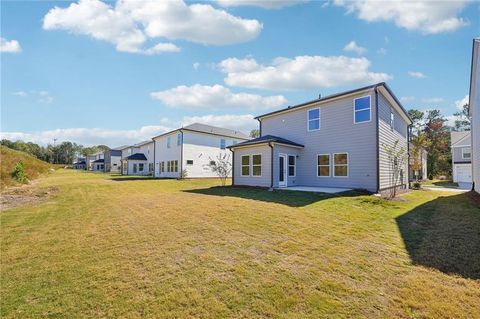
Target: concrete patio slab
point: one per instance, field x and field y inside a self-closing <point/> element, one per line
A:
<point x="328" y="190"/>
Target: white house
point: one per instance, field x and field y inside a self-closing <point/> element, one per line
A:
<point x="192" y="149"/>
<point x="474" y="112"/>
<point x="95" y="162"/>
<point x="137" y="159"/>
<point x="113" y="160"/>
<point x="462" y="158"/>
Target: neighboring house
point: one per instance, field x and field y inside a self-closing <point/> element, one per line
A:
<point x="335" y="141"/>
<point x="418" y="174"/>
<point x="79" y="163"/>
<point x="113" y="160"/>
<point x="95" y="162"/>
<point x="474" y="112"/>
<point x="192" y="149"/>
<point x="461" y="157"/>
<point x="138" y="159"/>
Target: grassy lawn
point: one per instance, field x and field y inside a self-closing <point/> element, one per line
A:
<point x="439" y="183"/>
<point x="104" y="246"/>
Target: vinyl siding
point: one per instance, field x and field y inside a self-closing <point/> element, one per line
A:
<point x="337" y="134"/>
<point x="457" y="155"/>
<point x="388" y="137"/>
<point x="475" y="112"/>
<point x="260" y="181"/>
<point x="164" y="154"/>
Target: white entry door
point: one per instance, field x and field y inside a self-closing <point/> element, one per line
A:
<point x="282" y="170"/>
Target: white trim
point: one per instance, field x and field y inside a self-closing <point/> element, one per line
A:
<point x="285" y="168"/>
<point x="319" y="119"/>
<point x="261" y="165"/>
<point x="348" y="164"/>
<point x="369" y="108"/>
<point x="329" y="165"/>
<point x="294" y="165"/>
<point x="463" y="154"/>
<point x="392" y="120"/>
<point x="241" y="165"/>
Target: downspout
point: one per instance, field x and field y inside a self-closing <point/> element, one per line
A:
<point x="409" y="132"/>
<point x="260" y="124"/>
<point x="181" y="155"/>
<point x="154" y="161"/>
<point x="378" y="139"/>
<point x="271" y="165"/>
<point x="233" y="166"/>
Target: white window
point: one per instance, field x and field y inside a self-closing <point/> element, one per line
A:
<point x="362" y="109"/>
<point x="245" y="165"/>
<point x="466" y="153"/>
<point x="169" y="141"/>
<point x="257" y="165"/>
<point x="323" y="165"/>
<point x="392" y="120"/>
<point x="179" y="139"/>
<point x="140" y="167"/>
<point x="222" y="144"/>
<point x="150" y="167"/>
<point x="162" y="167"/>
<point x="340" y="165"/>
<point x="291" y="165"/>
<point x="314" y="119"/>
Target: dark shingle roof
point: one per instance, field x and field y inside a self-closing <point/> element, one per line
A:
<point x="101" y="160"/>
<point x="137" y="157"/>
<point x="266" y="139"/>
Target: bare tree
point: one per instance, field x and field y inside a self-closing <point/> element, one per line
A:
<point x="397" y="157"/>
<point x="222" y="166"/>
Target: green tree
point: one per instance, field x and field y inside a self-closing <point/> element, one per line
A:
<point x="462" y="120"/>
<point x="437" y="133"/>
<point x="255" y="133"/>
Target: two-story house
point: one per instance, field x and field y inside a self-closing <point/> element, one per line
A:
<point x="137" y="159"/>
<point x="95" y="162"/>
<point x="192" y="149"/>
<point x="337" y="141"/>
<point x="474" y="112"/>
<point x="113" y="160"/>
<point x="461" y="158"/>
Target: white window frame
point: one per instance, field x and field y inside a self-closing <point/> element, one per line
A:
<point x="142" y="166"/>
<point x="348" y="165"/>
<point x="463" y="152"/>
<point x="252" y="165"/>
<point x="294" y="165"/>
<point x="242" y="165"/>
<point x="392" y="120"/>
<point x="319" y="119"/>
<point x="329" y="165"/>
<point x="355" y="111"/>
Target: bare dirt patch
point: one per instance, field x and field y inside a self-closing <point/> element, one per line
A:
<point x="24" y="195"/>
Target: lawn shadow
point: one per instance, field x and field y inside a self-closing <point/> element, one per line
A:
<point x="132" y="178"/>
<point x="444" y="234"/>
<point x="289" y="198"/>
<point x="445" y="184"/>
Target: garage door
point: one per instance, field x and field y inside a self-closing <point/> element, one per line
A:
<point x="464" y="173"/>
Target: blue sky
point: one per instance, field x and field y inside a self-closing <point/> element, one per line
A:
<point x="116" y="73"/>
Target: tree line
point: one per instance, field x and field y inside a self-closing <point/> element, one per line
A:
<point x="63" y="153"/>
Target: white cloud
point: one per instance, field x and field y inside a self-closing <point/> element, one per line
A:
<point x="352" y="46"/>
<point x="426" y="16"/>
<point x="242" y="123"/>
<point x="450" y="120"/>
<point x="407" y="99"/>
<point x="432" y="100"/>
<point x="12" y="46"/>
<point x="196" y="65"/>
<point x="416" y="74"/>
<point x="460" y="103"/>
<point x="301" y="72"/>
<point x="45" y="97"/>
<point x="265" y="4"/>
<point x="89" y="136"/>
<point x="215" y="97"/>
<point x="131" y="24"/>
<point x="382" y="51"/>
<point x="20" y="93"/>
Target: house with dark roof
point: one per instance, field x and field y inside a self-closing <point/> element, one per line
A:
<point x="192" y="149"/>
<point x="95" y="162"/>
<point x="461" y="144"/>
<point x="338" y="141"/>
<point x="137" y="159"/>
<point x="113" y="159"/>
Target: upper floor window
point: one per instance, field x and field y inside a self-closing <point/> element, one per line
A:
<point x="314" y="119"/>
<point x="466" y="153"/>
<point x="169" y="141"/>
<point x="362" y="109"/>
<point x="222" y="144"/>
<point x="179" y="139"/>
<point x="392" y="120"/>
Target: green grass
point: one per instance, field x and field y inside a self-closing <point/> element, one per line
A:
<point x="108" y="247"/>
<point x="9" y="158"/>
<point x="440" y="183"/>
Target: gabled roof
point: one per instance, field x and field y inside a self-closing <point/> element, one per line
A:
<point x="120" y="148"/>
<point x="137" y="157"/>
<point x="142" y="143"/>
<point x="266" y="139"/>
<point x="460" y="138"/>
<point x="381" y="85"/>
<point x="101" y="160"/>
<point x="208" y="129"/>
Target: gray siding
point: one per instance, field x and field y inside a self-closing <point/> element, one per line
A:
<point x="337" y="134"/>
<point x="261" y="181"/>
<point x="457" y="155"/>
<point x="388" y="137"/>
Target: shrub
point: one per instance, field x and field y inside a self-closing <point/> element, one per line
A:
<point x="18" y="173"/>
<point x="416" y="185"/>
<point x="183" y="174"/>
